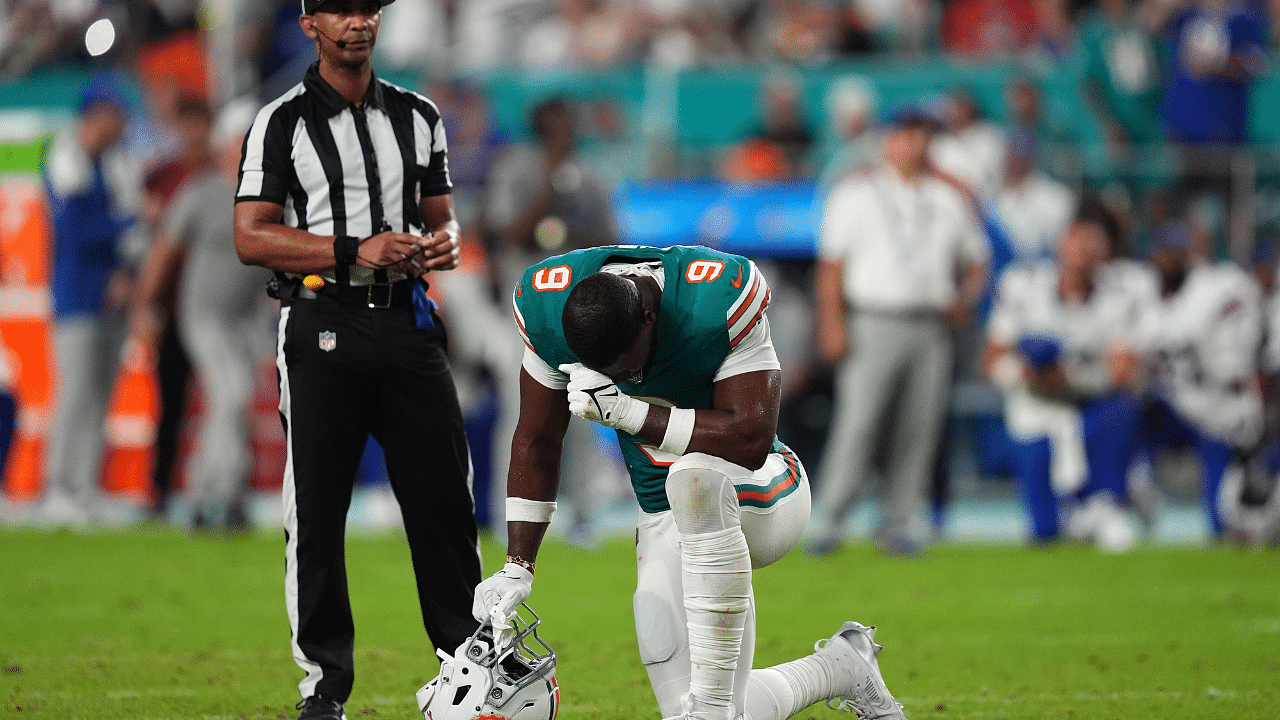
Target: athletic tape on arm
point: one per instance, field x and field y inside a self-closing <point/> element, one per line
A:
<point x="679" y="431"/>
<point x="524" y="510"/>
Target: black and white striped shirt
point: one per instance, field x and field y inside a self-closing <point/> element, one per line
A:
<point x="338" y="169"/>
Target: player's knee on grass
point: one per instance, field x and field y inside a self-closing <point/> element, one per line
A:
<point x="702" y="495"/>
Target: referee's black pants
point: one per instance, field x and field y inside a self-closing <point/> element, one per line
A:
<point x="377" y="374"/>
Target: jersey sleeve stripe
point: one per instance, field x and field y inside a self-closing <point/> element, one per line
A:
<point x="753" y="282"/>
<point x="747" y="302"/>
<point x="755" y="319"/>
<point x="524" y="335"/>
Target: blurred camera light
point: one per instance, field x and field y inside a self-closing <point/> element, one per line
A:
<point x="100" y="36"/>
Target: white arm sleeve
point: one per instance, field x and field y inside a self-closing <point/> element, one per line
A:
<point x="539" y="370"/>
<point x="754" y="352"/>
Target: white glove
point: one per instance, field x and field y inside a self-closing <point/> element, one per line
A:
<point x="500" y="595"/>
<point x="593" y="396"/>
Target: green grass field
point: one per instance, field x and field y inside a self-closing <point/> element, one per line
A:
<point x="165" y="625"/>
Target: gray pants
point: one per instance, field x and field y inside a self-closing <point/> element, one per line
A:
<point x="87" y="351"/>
<point x="897" y="374"/>
<point x="224" y="352"/>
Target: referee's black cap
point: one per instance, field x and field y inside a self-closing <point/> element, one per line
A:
<point x="309" y="7"/>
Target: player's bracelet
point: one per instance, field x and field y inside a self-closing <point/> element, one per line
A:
<point x="517" y="560"/>
<point x="525" y="510"/>
<point x="679" y="431"/>
<point x="346" y="250"/>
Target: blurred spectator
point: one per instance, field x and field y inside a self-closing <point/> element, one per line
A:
<point x="894" y="240"/>
<point x="1264" y="268"/>
<point x="1263" y="265"/>
<point x="546" y="199"/>
<point x="284" y="50"/>
<point x="1061" y="348"/>
<point x="1031" y="207"/>
<point x="683" y="33"/>
<point x="970" y="148"/>
<point x="793" y="30"/>
<point x="854" y="141"/>
<point x="404" y="25"/>
<point x="171" y="53"/>
<point x="191" y="119"/>
<point x="1216" y="50"/>
<point x="1204" y="338"/>
<point x="988" y="30"/>
<point x="235" y="34"/>
<point x="611" y="145"/>
<point x="93" y="195"/>
<point x="221" y="317"/>
<point x="487" y="32"/>
<point x="476" y="142"/>
<point x="37" y="32"/>
<point x="1024" y="103"/>
<point x="780" y="148"/>
<point x="1122" y="73"/>
<point x="1251" y="509"/>
<point x="588" y="34"/>
<point x="1055" y="33"/>
<point x="898" y="26"/>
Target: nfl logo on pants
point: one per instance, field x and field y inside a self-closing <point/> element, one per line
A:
<point x="328" y="340"/>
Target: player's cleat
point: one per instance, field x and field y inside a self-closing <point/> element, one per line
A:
<point x="320" y="708"/>
<point x="854" y="651"/>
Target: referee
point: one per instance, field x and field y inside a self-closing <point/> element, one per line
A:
<point x="344" y="194"/>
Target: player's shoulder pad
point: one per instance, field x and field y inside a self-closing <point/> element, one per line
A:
<point x="750" y="293"/>
<point x="539" y="296"/>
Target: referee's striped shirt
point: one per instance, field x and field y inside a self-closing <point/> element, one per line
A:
<point x="342" y="170"/>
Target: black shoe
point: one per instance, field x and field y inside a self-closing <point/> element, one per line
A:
<point x="320" y="708"/>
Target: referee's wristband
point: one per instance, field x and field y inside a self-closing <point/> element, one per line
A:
<point x="346" y="250"/>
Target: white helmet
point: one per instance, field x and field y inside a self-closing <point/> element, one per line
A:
<point x="483" y="681"/>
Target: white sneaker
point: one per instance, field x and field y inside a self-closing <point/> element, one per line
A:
<point x="854" y="650"/>
<point x="1114" y="533"/>
<point x="62" y="511"/>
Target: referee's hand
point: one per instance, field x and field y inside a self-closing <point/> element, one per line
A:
<point x="410" y="254"/>
<point x="440" y="251"/>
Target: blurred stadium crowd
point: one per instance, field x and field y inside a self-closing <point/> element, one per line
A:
<point x="1145" y="122"/>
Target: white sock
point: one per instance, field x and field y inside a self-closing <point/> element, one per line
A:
<point x="778" y="692"/>
<point x="717" y="593"/>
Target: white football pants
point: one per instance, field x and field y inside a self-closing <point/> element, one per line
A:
<point x="773" y="512"/>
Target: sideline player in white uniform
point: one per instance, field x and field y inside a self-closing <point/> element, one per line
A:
<point x="1205" y="338"/>
<point x="1060" y="347"/>
<point x="671" y="348"/>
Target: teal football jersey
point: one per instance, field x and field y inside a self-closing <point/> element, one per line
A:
<point x="710" y="301"/>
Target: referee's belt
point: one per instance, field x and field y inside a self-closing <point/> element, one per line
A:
<point x="374" y="295"/>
